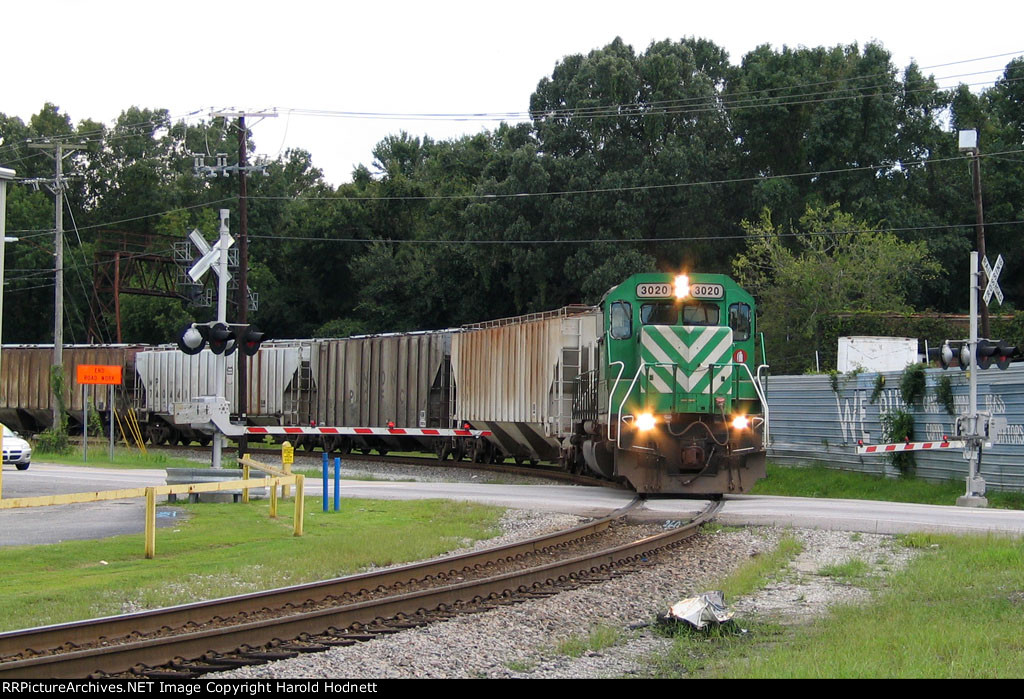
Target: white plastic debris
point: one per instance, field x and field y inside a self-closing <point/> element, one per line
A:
<point x="698" y="612"/>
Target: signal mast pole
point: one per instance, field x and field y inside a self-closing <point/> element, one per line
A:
<point x="243" y="262"/>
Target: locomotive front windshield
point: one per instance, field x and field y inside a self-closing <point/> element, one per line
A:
<point x="696" y="313"/>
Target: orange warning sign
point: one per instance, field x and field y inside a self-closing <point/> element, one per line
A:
<point x="99" y="374"/>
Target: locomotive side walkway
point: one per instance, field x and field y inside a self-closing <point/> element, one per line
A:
<point x="99" y="520"/>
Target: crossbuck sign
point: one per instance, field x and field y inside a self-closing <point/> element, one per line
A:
<point x="993" y="280"/>
<point x="211" y="256"/>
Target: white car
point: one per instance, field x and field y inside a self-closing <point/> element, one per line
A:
<point x="16" y="450"/>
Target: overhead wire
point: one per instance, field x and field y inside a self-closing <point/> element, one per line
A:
<point x="624" y="109"/>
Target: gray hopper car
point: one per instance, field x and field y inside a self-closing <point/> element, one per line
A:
<point x="513" y="377"/>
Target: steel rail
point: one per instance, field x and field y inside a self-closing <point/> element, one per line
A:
<point x="107" y="656"/>
<point x="66" y="636"/>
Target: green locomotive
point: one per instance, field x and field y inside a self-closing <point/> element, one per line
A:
<point x="676" y="402"/>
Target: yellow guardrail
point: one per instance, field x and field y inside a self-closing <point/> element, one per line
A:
<point x="151" y="493"/>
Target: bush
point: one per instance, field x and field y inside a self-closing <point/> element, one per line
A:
<point x="53" y="441"/>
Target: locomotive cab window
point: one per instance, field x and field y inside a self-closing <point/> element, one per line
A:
<point x="659" y="314"/>
<point x="621" y="327"/>
<point x="739" y="321"/>
<point x="700" y="314"/>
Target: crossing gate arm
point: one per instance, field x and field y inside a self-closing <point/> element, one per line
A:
<point x="369" y="431"/>
<point x="884" y="449"/>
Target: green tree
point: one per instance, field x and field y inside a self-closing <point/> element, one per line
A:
<point x="830" y="263"/>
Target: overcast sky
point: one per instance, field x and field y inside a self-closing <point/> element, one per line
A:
<point x="96" y="58"/>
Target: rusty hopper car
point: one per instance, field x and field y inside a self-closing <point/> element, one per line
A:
<point x="515" y="377"/>
<point x="26" y="401"/>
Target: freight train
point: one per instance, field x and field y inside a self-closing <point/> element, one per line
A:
<point x="658" y="385"/>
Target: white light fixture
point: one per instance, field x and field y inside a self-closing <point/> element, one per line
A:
<point x="968" y="140"/>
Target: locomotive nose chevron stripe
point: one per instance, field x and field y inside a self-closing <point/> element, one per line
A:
<point x="690" y="349"/>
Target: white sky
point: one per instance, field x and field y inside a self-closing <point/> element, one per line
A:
<point x="96" y="58"/>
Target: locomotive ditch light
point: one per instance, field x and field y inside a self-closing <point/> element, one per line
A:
<point x="682" y="286"/>
<point x="740" y="422"/>
<point x="645" y="422"/>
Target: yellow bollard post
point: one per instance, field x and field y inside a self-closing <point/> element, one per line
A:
<point x="287" y="459"/>
<point x="299" y="503"/>
<point x="245" y="475"/>
<point x="150" y="522"/>
<point x="273" y="498"/>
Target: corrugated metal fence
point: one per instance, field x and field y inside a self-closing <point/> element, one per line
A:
<point x="811" y="423"/>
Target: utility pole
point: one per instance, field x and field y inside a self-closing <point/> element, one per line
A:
<point x="969" y="145"/>
<point x="242" y="169"/>
<point x="243" y="282"/>
<point x="57" y="187"/>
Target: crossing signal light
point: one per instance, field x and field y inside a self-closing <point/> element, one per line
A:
<point x="249" y="338"/>
<point x="943" y="355"/>
<point x="191" y="340"/>
<point x="986" y="353"/>
<point x="999" y="351"/>
<point x="220" y="338"/>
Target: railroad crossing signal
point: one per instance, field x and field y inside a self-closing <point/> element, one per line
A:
<point x="223" y="338"/>
<point x="210" y="256"/>
<point x="993" y="279"/>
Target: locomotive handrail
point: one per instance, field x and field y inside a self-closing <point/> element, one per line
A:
<point x="618" y="431"/>
<point x="764" y="403"/>
<point x="611" y="397"/>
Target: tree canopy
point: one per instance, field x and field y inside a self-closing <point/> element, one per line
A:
<point x="824" y="178"/>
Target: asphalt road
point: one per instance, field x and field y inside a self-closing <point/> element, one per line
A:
<point x="97" y="520"/>
<point x="49" y="525"/>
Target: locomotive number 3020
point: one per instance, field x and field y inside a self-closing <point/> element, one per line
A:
<point x="663" y="290"/>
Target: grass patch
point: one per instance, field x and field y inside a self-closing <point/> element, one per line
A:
<point x="954" y="612"/>
<point x="600" y="636"/>
<point x="823" y="482"/>
<point x="524" y="665"/>
<point x="692" y="650"/>
<point x="226" y="549"/>
<point x="760" y="570"/>
<point x="851" y="570"/>
<point x="99" y="457"/>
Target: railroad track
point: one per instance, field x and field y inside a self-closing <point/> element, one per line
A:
<point x="194" y="639"/>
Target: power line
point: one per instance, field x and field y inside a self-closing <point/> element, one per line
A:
<point x="624" y="109"/>
<point x="667" y="239"/>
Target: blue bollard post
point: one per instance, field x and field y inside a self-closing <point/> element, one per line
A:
<point x="337" y="483"/>
<point x="325" y="481"/>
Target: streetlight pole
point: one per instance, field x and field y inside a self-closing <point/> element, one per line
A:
<point x="5" y="175"/>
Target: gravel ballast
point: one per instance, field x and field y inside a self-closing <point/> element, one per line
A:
<point x="522" y="640"/>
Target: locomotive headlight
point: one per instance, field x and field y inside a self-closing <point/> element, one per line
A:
<point x="741" y="422"/>
<point x="645" y="422"/>
<point x="682" y="286"/>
